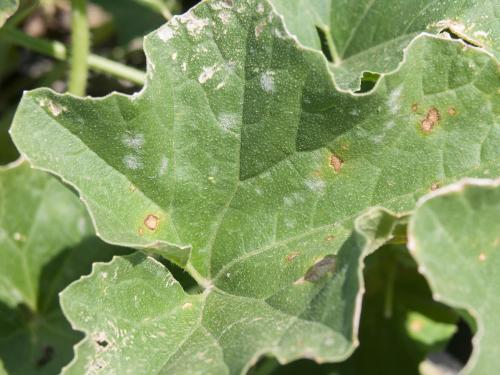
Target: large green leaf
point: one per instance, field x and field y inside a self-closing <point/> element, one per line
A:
<point x="45" y="243"/>
<point x="370" y="35"/>
<point x="138" y="319"/>
<point x="7" y="8"/>
<point x="240" y="143"/>
<point x="455" y="237"/>
<point x="241" y="162"/>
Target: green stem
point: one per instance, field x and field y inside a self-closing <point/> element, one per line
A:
<point x="157" y="6"/>
<point x="103" y="65"/>
<point x="332" y="48"/>
<point x="80" y="48"/>
<point x="204" y="283"/>
<point x="58" y="51"/>
<point x="389" y="291"/>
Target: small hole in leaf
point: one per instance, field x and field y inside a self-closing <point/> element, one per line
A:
<point x="102" y="343"/>
<point x="368" y="81"/>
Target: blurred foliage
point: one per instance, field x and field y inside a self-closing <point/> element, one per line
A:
<point x="22" y="70"/>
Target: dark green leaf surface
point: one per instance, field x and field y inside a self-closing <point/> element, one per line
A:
<point x="400" y="323"/>
<point x="45" y="243"/>
<point x="455" y="238"/>
<point x="371" y="35"/>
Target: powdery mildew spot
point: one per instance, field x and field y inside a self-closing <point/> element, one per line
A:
<point x="259" y="28"/>
<point x="393" y="101"/>
<point x="207" y="73"/>
<point x="225" y="17"/>
<point x="267" y="81"/>
<point x="132" y="162"/>
<point x="224" y="4"/>
<point x="315" y="185"/>
<point x="134" y="141"/>
<point x="166" y="33"/>
<point x="193" y="24"/>
<point x="163" y="166"/>
<point x="228" y="121"/>
<point x="260" y="8"/>
<point x="480" y="34"/>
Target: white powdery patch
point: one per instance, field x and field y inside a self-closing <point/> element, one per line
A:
<point x="389" y="125"/>
<point x="220" y="5"/>
<point x="354" y="112"/>
<point x="163" y="166"/>
<point x="260" y="8"/>
<point x="480" y="34"/>
<point x="393" y="101"/>
<point x="166" y="33"/>
<point x="207" y="73"/>
<point x="135" y="141"/>
<point x="316" y="185"/>
<point x="277" y="32"/>
<point x="267" y="81"/>
<point x="132" y="162"/>
<point x="194" y="25"/>
<point x="228" y="121"/>
<point x="225" y="16"/>
<point x="174" y="56"/>
<point x="288" y="201"/>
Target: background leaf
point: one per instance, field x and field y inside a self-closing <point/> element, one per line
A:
<point x="462" y="223"/>
<point x="370" y="35"/>
<point x="43" y="246"/>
